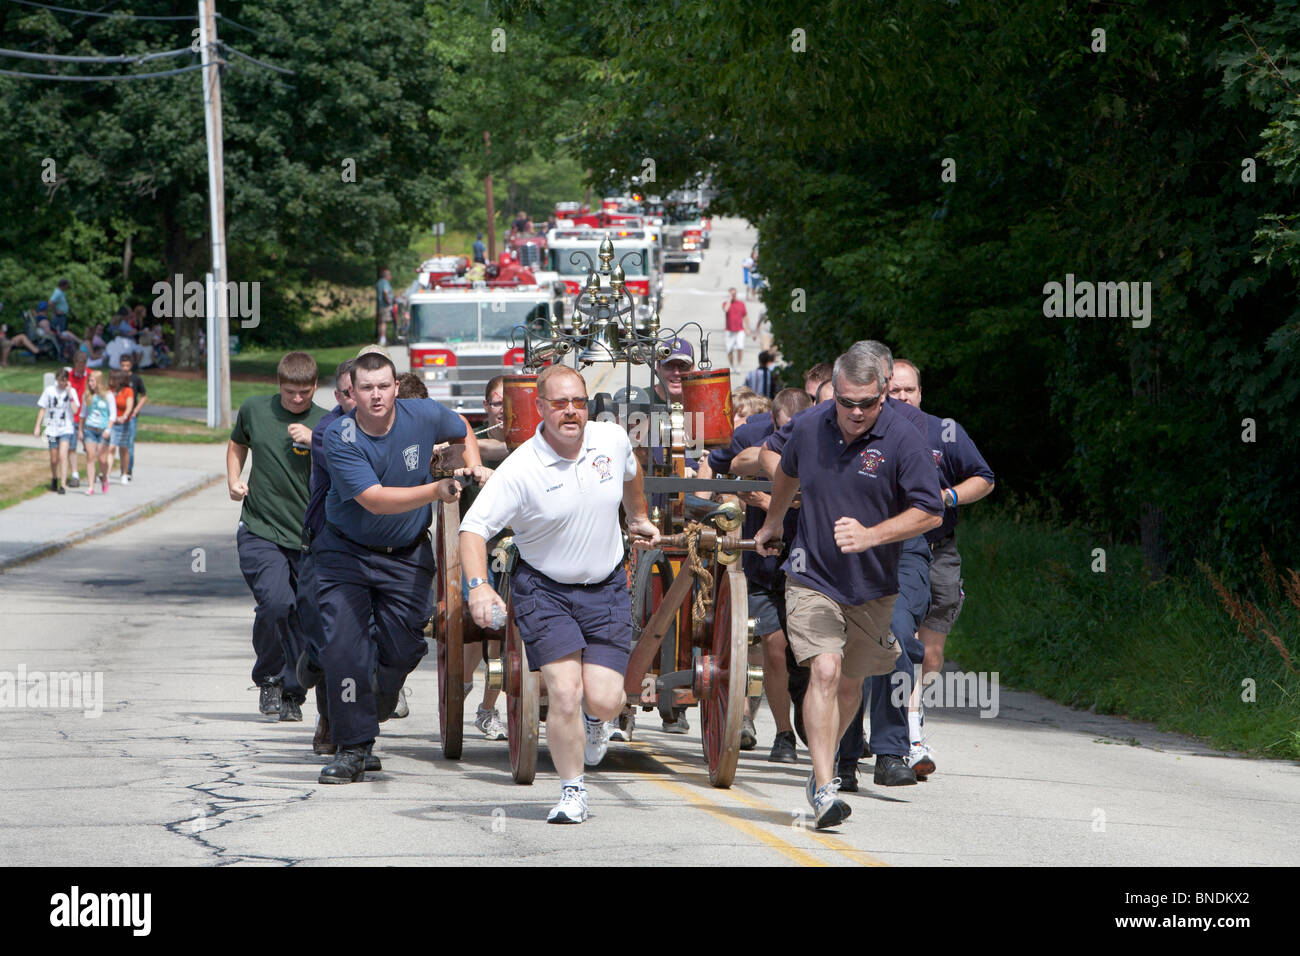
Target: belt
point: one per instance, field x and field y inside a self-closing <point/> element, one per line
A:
<point x="379" y="549"/>
<point x="942" y="541"/>
<point x="564" y="584"/>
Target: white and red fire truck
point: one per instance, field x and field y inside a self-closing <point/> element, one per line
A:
<point x="644" y="272"/>
<point x="461" y="329"/>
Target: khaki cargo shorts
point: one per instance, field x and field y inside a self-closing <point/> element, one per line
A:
<point x="817" y="624"/>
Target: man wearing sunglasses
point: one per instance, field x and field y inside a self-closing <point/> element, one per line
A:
<point x="869" y="483"/>
<point x="560" y="493"/>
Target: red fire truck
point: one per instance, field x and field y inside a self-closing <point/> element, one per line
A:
<point x="461" y="329"/>
<point x="644" y="272"/>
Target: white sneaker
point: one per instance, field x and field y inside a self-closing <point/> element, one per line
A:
<point x="621" y="727"/>
<point x="126" y="479"/>
<point x="920" y="760"/>
<point x="490" y="724"/>
<point x="597" y="742"/>
<point x="572" y="807"/>
<point x="402" y="709"/>
<point x="828" y="809"/>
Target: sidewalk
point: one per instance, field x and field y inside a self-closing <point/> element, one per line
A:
<point x="40" y="526"/>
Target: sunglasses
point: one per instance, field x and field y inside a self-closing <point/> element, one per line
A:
<point x="559" y="404"/>
<point x="865" y="403"/>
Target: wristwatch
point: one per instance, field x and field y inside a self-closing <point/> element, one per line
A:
<point x="475" y="582"/>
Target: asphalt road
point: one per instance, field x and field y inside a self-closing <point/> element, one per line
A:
<point x="179" y="768"/>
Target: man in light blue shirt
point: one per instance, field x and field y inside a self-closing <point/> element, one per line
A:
<point x="59" y="306"/>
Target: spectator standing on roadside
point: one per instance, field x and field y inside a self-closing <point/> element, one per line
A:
<point x="269" y="538"/>
<point x="141" y="396"/>
<point x="383" y="305"/>
<point x="760" y="380"/>
<point x="77" y="379"/>
<point x="480" y="250"/>
<point x="59" y="306"/>
<point x="119" y="384"/>
<point x="735" y="313"/>
<point x="748" y="266"/>
<point x="58" y="408"/>
<point x="98" y="414"/>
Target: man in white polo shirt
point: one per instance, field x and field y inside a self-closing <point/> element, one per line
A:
<point x="560" y="492"/>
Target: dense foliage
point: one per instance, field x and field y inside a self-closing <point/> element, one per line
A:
<point x="919" y="172"/>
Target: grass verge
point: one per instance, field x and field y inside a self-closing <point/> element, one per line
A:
<point x="14" y="418"/>
<point x="1165" y="652"/>
<point x="166" y="388"/>
<point x="24" y="473"/>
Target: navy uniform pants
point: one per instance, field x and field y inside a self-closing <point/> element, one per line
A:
<point x="889" y="731"/>
<point x="352" y="585"/>
<point x="272" y="573"/>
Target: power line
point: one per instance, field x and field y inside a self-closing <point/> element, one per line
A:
<point x="100" y="79"/>
<point x="126" y="58"/>
<point x="130" y="16"/>
<point x="90" y="13"/>
<point x="244" y="56"/>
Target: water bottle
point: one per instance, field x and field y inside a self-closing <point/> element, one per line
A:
<point x="498" y="617"/>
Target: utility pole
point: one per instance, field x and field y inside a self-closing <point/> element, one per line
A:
<point x="491" y="213"/>
<point x="220" y="341"/>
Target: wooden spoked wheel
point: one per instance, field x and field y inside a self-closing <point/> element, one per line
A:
<point x="522" y="703"/>
<point x="653" y="578"/>
<point x="722" y="674"/>
<point x="450" y="631"/>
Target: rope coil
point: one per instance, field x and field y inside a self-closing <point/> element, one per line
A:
<point x="704" y="593"/>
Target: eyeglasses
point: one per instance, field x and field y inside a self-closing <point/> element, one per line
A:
<point x="559" y="404"/>
<point x="345" y="392"/>
<point x="864" y="404"/>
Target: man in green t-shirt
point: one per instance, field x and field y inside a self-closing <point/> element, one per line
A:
<point x="277" y="428"/>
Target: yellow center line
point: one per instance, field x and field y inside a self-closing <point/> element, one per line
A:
<point x="677" y="768"/>
<point x="776" y="843"/>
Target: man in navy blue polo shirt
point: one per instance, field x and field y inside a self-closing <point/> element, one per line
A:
<point x="890" y="739"/>
<point x="966" y="478"/>
<point x="374" y="556"/>
<point x="764" y="578"/>
<point x="868" y="484"/>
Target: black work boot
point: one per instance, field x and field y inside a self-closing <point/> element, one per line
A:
<point x="269" y="700"/>
<point x="348" y="766"/>
<point x="290" y="709"/>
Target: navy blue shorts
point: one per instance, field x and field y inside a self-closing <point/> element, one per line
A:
<point x="767" y="608"/>
<point x="555" y="619"/>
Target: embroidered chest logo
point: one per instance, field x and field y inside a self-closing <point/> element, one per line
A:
<point x="602" y="466"/>
<point x="938" y="457"/>
<point x="411" y="455"/>
<point x="872" y="459"/>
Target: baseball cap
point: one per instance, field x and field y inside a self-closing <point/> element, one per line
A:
<point x="375" y="348"/>
<point x="631" y="396"/>
<point x="679" y="350"/>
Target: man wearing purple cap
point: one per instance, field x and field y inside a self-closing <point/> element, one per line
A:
<point x="680" y="360"/>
